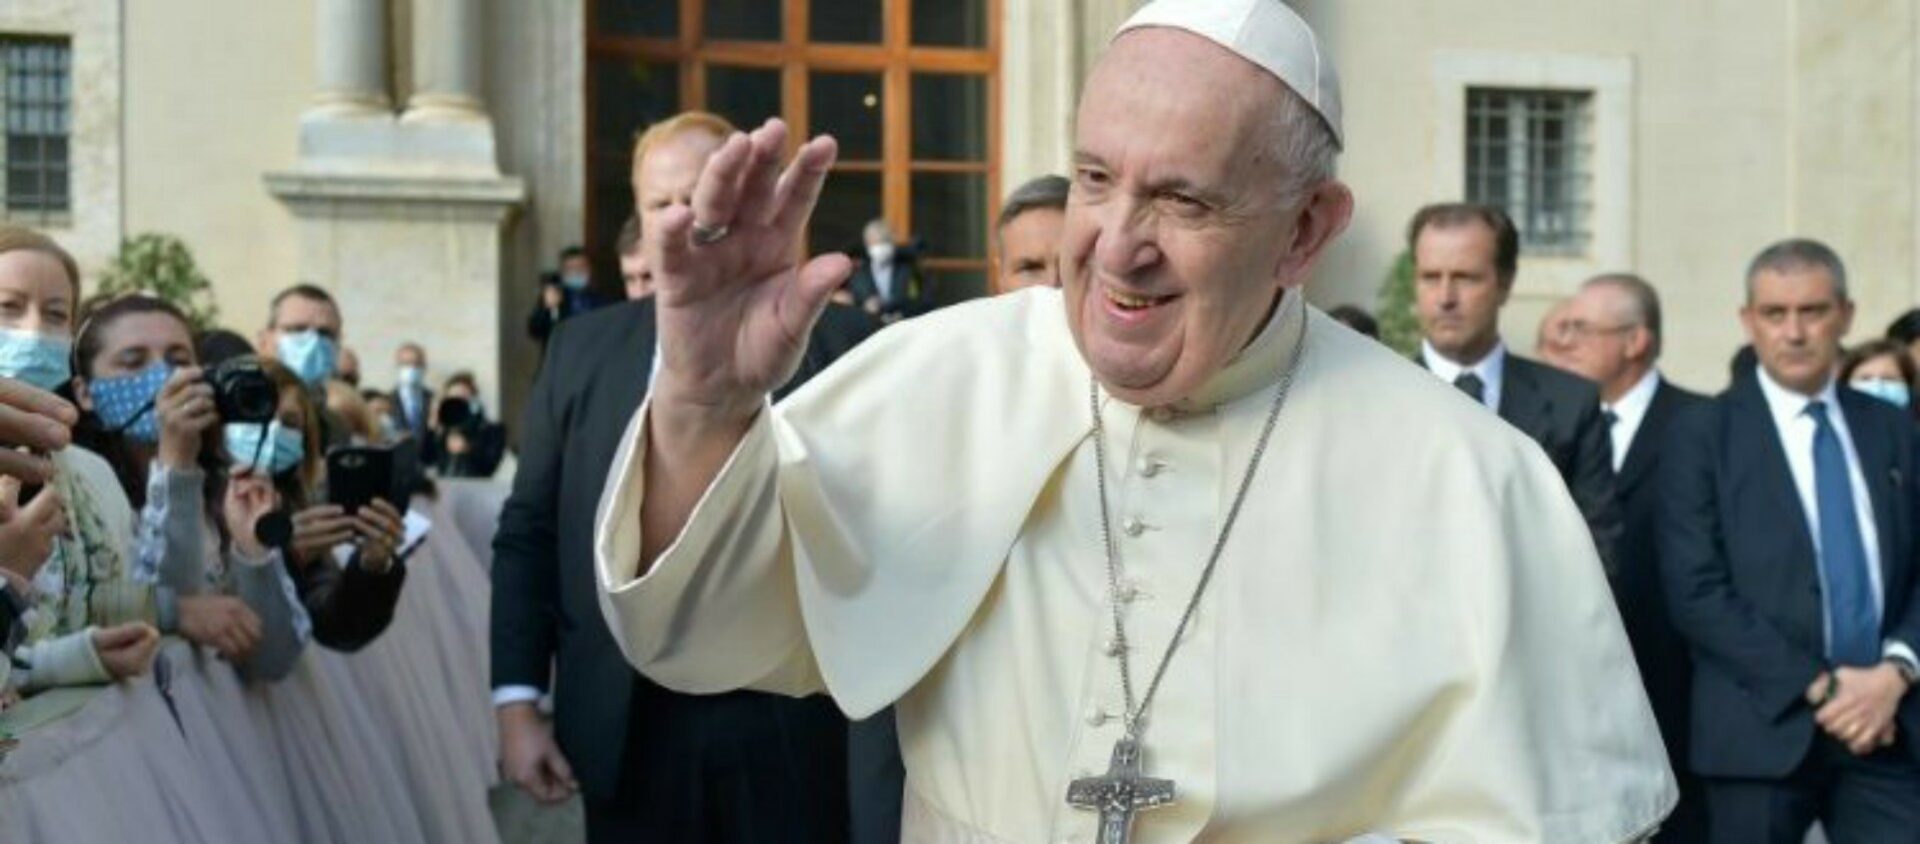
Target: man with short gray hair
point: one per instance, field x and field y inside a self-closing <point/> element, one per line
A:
<point x="1121" y="552"/>
<point x="1028" y="234"/>
<point x="1787" y="547"/>
<point x="1611" y="336"/>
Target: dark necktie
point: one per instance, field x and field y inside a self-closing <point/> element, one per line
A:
<point x="1471" y="384"/>
<point x="1853" y="620"/>
<point x="1611" y="417"/>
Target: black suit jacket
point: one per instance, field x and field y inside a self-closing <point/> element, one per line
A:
<point x="1561" y="412"/>
<point x="546" y="615"/>
<point x="1637" y="587"/>
<point x="1743" y="582"/>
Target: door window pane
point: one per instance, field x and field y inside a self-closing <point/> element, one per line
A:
<point x="744" y="20"/>
<point x="848" y="107"/>
<point x="950" y="23"/>
<point x="846" y="21"/>
<point x="949" y="214"/>
<point x="847" y="201"/>
<point x="652" y="18"/>
<point x="745" y="95"/>
<point x="949" y="117"/>
<point x="628" y="96"/>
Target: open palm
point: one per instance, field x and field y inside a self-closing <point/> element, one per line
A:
<point x="735" y="303"/>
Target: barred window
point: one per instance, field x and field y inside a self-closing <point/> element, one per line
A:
<point x="1530" y="152"/>
<point x="36" y="95"/>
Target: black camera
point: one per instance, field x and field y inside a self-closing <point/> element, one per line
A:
<point x="454" y="414"/>
<point x="242" y="391"/>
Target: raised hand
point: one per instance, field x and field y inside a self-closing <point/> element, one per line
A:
<point x="250" y="495"/>
<point x="317" y="529"/>
<point x="380" y="528"/>
<point x="186" y="410"/>
<point x="735" y="303"/>
<point x="33" y="419"/>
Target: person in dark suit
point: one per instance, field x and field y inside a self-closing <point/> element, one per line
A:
<point x="1787" y="549"/>
<point x="653" y="765"/>
<point x="1610" y="335"/>
<point x="564" y="295"/>
<point x="1465" y="258"/>
<point x="888" y="284"/>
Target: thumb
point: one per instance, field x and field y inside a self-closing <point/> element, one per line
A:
<point x="117" y="637"/>
<point x="9" y="496"/>
<point x="812" y="287"/>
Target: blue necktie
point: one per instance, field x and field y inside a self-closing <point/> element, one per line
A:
<point x="1853" y="620"/>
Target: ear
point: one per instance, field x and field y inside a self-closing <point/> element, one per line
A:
<point x="1320" y="220"/>
<point x="1640" y="343"/>
<point x="82" y="396"/>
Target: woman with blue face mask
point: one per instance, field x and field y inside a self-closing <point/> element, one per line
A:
<point x="1882" y="369"/>
<point x="146" y="408"/>
<point x="93" y="622"/>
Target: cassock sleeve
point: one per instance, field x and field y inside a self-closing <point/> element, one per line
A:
<point x="719" y="610"/>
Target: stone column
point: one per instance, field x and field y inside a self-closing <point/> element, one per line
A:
<point x="352" y="58"/>
<point x="446" y="61"/>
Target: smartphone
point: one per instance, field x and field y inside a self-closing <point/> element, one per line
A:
<point x="359" y="475"/>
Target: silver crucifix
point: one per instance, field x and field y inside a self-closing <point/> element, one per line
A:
<point x="1120" y="793"/>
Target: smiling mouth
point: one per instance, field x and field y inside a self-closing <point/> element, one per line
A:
<point x="1130" y="302"/>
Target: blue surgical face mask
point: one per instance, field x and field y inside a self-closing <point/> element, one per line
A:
<point x="42" y="360"/>
<point x="310" y="354"/>
<point x="124" y="403"/>
<point x="273" y="448"/>
<point x="574" y="281"/>
<point x="1892" y="392"/>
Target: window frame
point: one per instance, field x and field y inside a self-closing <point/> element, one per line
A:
<point x="1526" y="172"/>
<point x="64" y="105"/>
<point x="895" y="59"/>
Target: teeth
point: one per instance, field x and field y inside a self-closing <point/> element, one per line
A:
<point x="1129" y="301"/>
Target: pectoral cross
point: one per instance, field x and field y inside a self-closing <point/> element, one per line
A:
<point x="1120" y="794"/>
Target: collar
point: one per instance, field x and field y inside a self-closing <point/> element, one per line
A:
<point x="1786" y="405"/>
<point x="1634" y="403"/>
<point x="1489" y="368"/>
<point x="1258" y="366"/>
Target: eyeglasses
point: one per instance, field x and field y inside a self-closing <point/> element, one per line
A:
<point x="1574" y="331"/>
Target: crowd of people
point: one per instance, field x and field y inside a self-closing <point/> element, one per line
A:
<point x="688" y="598"/>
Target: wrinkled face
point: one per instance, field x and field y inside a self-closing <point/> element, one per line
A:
<point x="667" y="174"/>
<point x="1457" y="293"/>
<point x="1795" y="319"/>
<point x="35" y="294"/>
<point x="1029" y="250"/>
<point x="1601" y="339"/>
<point x="635" y="276"/>
<point x="1175" y="246"/>
<point x="1551" y="345"/>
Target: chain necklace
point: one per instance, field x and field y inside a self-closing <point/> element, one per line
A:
<point x="1124" y="791"/>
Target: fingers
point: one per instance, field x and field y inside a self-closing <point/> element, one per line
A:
<point x="9" y="497"/>
<point x="800" y="185"/>
<point x="34" y="418"/>
<point x="117" y="637"/>
<point x="672" y="252"/>
<point x="31" y="468"/>
<point x="716" y="196"/>
<point x="804" y="300"/>
<point x="760" y="186"/>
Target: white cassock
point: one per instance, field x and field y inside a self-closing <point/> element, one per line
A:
<point x="1409" y="632"/>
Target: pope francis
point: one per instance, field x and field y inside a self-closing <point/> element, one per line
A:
<point x="1165" y="555"/>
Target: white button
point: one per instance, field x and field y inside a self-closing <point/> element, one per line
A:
<point x="1097" y="717"/>
<point x="1150" y="467"/>
<point x="1134" y="527"/>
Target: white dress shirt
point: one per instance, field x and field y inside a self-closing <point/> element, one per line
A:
<point x="883" y="279"/>
<point x="1789" y="411"/>
<point x="1491" y="370"/>
<point x="1629" y="412"/>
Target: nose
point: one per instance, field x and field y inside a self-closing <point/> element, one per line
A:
<point x="1449" y="294"/>
<point x="1128" y="240"/>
